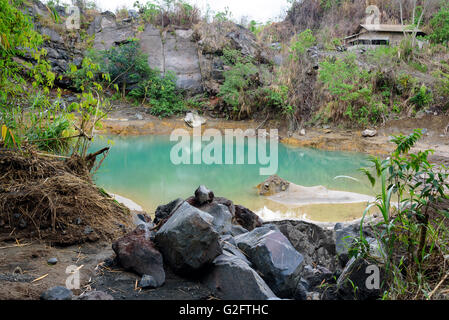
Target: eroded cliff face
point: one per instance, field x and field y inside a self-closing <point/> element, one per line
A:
<point x="194" y="55"/>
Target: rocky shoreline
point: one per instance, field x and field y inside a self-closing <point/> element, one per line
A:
<point x="216" y="249"/>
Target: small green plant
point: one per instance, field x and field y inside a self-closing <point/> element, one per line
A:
<point x="301" y="43"/>
<point x="422" y="98"/>
<point x="161" y="93"/>
<point x="407" y="231"/>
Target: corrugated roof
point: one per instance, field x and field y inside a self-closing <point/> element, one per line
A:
<point x="388" y="27"/>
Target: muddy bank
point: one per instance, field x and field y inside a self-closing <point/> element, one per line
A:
<point x="125" y="120"/>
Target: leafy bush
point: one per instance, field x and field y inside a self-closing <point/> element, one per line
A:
<point x="237" y="79"/>
<point x="161" y="93"/>
<point x="301" y="43"/>
<point x="126" y="64"/>
<point x="277" y="98"/>
<point x="422" y="98"/>
<point x="440" y="27"/>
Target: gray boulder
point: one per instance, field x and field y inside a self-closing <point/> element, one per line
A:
<point x="233" y="279"/>
<point x="135" y="251"/>
<point x="344" y="239"/>
<point x="369" y="133"/>
<point x="194" y="120"/>
<point x="181" y="57"/>
<point x="151" y="44"/>
<point x="315" y="243"/>
<point x="222" y="218"/>
<point x="230" y="248"/>
<point x="52" y="35"/>
<point x="57" y="293"/>
<point x="237" y="230"/>
<point x="188" y="239"/>
<point x="274" y="257"/>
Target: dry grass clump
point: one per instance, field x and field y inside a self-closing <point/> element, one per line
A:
<point x="55" y="200"/>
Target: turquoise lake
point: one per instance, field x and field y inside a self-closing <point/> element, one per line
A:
<point x="139" y="168"/>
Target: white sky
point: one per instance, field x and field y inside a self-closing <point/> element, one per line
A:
<point x="259" y="10"/>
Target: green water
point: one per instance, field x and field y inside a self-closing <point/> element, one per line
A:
<point x="139" y="168"/>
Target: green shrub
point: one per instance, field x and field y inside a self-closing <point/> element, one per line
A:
<point x="440" y="27"/>
<point x="301" y="43"/>
<point x="161" y="93"/>
<point x="411" y="232"/>
<point x="126" y="64"/>
<point x="236" y="81"/>
<point x="168" y="12"/>
<point x="422" y="98"/>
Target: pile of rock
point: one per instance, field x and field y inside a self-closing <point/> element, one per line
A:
<point x="208" y="238"/>
<point x="231" y="251"/>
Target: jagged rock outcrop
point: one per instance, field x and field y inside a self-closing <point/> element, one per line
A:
<point x="193" y="55"/>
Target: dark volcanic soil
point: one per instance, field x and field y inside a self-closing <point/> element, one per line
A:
<point x="20" y="266"/>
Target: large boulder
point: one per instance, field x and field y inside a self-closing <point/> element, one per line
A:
<point x="188" y="239"/>
<point x="194" y="120"/>
<point x="151" y="44"/>
<point x="233" y="279"/>
<point x="274" y="257"/>
<point x="246" y="218"/>
<point x="135" y="251"/>
<point x="112" y="35"/>
<point x="315" y="243"/>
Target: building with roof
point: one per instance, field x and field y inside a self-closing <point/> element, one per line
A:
<point x="372" y="35"/>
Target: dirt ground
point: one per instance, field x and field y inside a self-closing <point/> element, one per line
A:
<point x="21" y="267"/>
